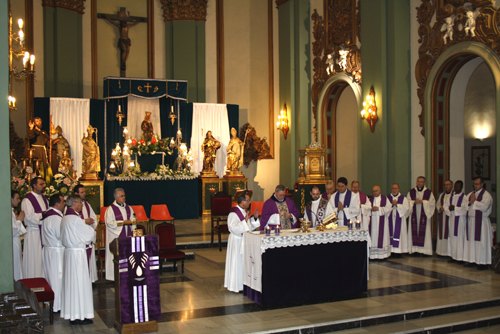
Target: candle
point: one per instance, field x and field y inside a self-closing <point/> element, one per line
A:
<point x="20" y="23"/>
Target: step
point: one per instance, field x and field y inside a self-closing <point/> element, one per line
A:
<point x="479" y="313"/>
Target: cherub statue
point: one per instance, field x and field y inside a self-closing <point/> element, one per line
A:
<point x="470" y="23"/>
<point x="447" y="28"/>
<point x="343" y="59"/>
<point x="330" y="67"/>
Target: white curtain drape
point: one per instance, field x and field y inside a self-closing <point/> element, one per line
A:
<point x="136" y="110"/>
<point x="73" y="116"/>
<point x="209" y="117"/>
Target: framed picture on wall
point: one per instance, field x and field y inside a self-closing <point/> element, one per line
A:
<point x="480" y="161"/>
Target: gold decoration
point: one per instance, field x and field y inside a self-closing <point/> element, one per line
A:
<point x="433" y="16"/>
<point x="91" y="162"/>
<point x="209" y="148"/>
<point x="73" y="5"/>
<point x="234" y="154"/>
<point x="174" y="10"/>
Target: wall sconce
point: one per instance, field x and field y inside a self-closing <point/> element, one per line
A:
<point x="282" y="123"/>
<point x="369" y="111"/>
<point x="120" y="115"/>
<point x="172" y="115"/>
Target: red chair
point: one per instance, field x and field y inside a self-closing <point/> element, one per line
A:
<point x="256" y="205"/>
<point x="220" y="207"/>
<point x="102" y="213"/>
<point x="167" y="245"/>
<point x="43" y="292"/>
<point x="140" y="213"/>
<point x="160" y="213"/>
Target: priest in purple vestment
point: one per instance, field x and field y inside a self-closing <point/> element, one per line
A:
<point x="279" y="209"/>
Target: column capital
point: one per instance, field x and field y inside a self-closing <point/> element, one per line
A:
<point x="73" y="5"/>
<point x="177" y="10"/>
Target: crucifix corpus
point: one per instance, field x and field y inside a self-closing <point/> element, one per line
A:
<point x="123" y="21"/>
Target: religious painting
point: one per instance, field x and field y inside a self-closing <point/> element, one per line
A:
<point x="94" y="194"/>
<point x="480" y="161"/>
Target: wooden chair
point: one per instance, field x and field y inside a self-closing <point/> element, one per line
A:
<point x="220" y="207"/>
<point x="43" y="292"/>
<point x="167" y="245"/>
<point x="159" y="214"/>
<point x="100" y="249"/>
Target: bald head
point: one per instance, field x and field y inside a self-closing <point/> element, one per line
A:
<point x="376" y="191"/>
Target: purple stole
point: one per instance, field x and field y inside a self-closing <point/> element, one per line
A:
<point x="381" y="225"/>
<point x="37" y="208"/>
<point x="418" y="237"/>
<point x="395" y="231"/>
<point x="459" y="203"/>
<point x="321" y="210"/>
<point x="447" y="220"/>
<point x="238" y="213"/>
<point x="347" y="202"/>
<point x="50" y="212"/>
<point x="126" y="229"/>
<point x="88" y="250"/>
<point x="362" y="198"/>
<point x="478" y="218"/>
<point x="87" y="206"/>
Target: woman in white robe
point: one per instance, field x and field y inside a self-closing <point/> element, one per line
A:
<point x="77" y="303"/>
<point x="17" y="231"/>
<point x="238" y="223"/>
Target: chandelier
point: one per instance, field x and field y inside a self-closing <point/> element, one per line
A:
<point x="21" y="61"/>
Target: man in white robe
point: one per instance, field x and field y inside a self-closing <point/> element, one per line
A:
<point x="343" y="203"/>
<point x="90" y="218"/>
<point x="443" y="219"/>
<point x="33" y="205"/>
<point x="459" y="204"/>
<point x="398" y="220"/>
<point x="480" y="236"/>
<point x="17" y="231"/>
<point x="238" y="222"/>
<point x="315" y="211"/>
<point x="363" y="213"/>
<point x="77" y="304"/>
<point x="119" y="219"/>
<point x="422" y="208"/>
<point x="379" y="227"/>
<point x="53" y="250"/>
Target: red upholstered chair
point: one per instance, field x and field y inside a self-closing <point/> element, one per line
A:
<point x="43" y="292"/>
<point x="102" y="213"/>
<point x="220" y="207"/>
<point x="160" y="213"/>
<point x="256" y="205"/>
<point x="167" y="245"/>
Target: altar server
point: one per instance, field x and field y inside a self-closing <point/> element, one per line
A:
<point x="459" y="205"/>
<point x="279" y="209"/>
<point x="238" y="222"/>
<point x="17" y="231"/>
<point x="480" y="232"/>
<point x="343" y="203"/>
<point x="90" y="218"/>
<point x="422" y="207"/>
<point x="118" y="218"/>
<point x="363" y="214"/>
<point x="33" y="205"/>
<point x="316" y="209"/>
<point x="379" y="227"/>
<point x="398" y="220"/>
<point x="77" y="303"/>
<point x="53" y="250"/>
<point x="443" y="221"/>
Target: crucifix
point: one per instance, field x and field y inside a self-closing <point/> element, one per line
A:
<point x="123" y="21"/>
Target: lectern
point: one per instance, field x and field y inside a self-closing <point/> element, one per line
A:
<point x="137" y="283"/>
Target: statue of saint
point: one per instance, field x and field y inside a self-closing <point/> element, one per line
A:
<point x="209" y="147"/>
<point x="91" y="164"/>
<point x="59" y="145"/>
<point x="147" y="127"/>
<point x="38" y="140"/>
<point x="66" y="165"/>
<point x="234" y="153"/>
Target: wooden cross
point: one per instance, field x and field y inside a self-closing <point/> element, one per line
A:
<point x="122" y="20"/>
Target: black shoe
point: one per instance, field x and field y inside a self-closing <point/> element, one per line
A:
<point x="75" y="322"/>
<point x="87" y="322"/>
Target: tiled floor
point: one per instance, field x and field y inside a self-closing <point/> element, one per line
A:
<point x="196" y="302"/>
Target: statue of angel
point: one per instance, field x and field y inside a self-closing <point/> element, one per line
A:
<point x="470" y="23"/>
<point x="329" y="64"/>
<point x="447" y="28"/>
<point x="343" y="58"/>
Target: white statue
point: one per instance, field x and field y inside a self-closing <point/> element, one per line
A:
<point x="447" y="28"/>
<point x="470" y="23"/>
<point x="329" y="64"/>
<point x="343" y="58"/>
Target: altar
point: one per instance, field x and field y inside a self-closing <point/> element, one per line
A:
<point x="303" y="268"/>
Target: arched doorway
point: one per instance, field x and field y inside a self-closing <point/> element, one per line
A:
<point x="338" y="125"/>
<point x="448" y="148"/>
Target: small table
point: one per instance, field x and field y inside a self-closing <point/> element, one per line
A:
<point x="304" y="268"/>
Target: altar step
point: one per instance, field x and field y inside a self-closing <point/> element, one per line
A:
<point x="447" y="319"/>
